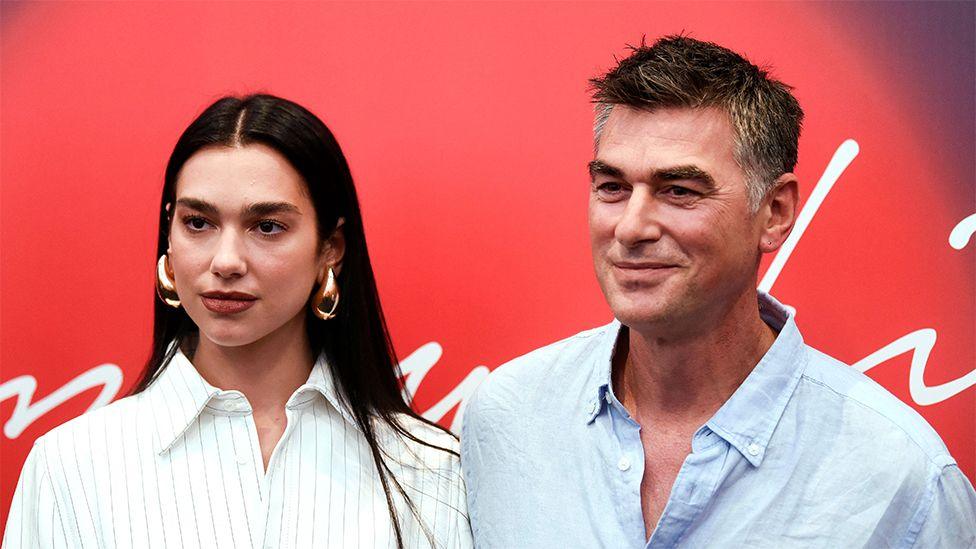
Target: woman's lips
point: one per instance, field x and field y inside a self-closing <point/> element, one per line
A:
<point x="227" y="304"/>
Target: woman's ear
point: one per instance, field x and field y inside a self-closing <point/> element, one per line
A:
<point x="779" y="210"/>
<point x="333" y="249"/>
<point x="169" y="227"/>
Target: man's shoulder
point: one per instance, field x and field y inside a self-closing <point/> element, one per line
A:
<point x="867" y="408"/>
<point x="560" y="363"/>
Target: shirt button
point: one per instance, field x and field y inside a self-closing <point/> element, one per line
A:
<point x="242" y="460"/>
<point x="592" y="408"/>
<point x="753" y="449"/>
<point x="624" y="463"/>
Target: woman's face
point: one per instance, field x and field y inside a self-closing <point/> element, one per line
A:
<point x="244" y="244"/>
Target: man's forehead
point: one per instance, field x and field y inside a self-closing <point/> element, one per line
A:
<point x="675" y="123"/>
<point x="665" y="136"/>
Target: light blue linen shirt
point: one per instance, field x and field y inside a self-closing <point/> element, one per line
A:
<point x="807" y="452"/>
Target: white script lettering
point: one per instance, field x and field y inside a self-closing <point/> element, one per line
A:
<point x="107" y="376"/>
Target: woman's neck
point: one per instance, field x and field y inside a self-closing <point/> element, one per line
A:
<point x="266" y="371"/>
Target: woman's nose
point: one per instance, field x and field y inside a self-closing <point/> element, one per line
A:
<point x="228" y="260"/>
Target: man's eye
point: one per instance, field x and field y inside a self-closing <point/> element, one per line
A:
<point x="681" y="192"/>
<point x="610" y="189"/>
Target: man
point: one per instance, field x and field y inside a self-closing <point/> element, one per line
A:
<point x="699" y="418"/>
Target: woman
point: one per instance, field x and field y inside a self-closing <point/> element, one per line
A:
<point x="270" y="413"/>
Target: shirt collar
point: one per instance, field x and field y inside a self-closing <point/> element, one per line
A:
<point x="749" y="416"/>
<point x="601" y="385"/>
<point x="179" y="394"/>
<point x="321" y="381"/>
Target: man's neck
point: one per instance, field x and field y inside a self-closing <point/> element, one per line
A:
<point x="267" y="371"/>
<point x="687" y="378"/>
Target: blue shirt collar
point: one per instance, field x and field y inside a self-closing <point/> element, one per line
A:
<point x="603" y="369"/>
<point x="748" y="418"/>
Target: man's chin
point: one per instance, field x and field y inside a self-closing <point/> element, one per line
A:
<point x="640" y="316"/>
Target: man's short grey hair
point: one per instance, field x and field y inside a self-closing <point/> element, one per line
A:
<point x="678" y="71"/>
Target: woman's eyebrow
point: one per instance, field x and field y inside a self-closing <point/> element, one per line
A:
<point x="259" y="209"/>
<point x="200" y="205"/>
<point x="256" y="209"/>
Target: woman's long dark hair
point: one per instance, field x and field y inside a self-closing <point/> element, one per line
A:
<point x="356" y="342"/>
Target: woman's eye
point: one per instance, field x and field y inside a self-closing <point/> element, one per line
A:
<point x="195" y="223"/>
<point x="268" y="227"/>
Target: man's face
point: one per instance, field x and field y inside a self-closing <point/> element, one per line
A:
<point x="675" y="243"/>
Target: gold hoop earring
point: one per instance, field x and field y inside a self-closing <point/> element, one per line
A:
<point x="326" y="299"/>
<point x="165" y="287"/>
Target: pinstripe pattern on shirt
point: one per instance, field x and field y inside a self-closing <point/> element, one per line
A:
<point x="179" y="465"/>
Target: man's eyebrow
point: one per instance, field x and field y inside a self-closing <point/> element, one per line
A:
<point x="688" y="172"/>
<point x="675" y="173"/>
<point x="598" y="167"/>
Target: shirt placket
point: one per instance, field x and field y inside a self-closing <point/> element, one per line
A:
<point x="693" y="488"/>
<point x="247" y="455"/>
<point x="626" y="467"/>
<point x="279" y="480"/>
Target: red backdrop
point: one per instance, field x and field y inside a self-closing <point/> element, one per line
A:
<point x="468" y="129"/>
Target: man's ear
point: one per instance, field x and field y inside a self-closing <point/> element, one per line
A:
<point x="333" y="250"/>
<point x="779" y="211"/>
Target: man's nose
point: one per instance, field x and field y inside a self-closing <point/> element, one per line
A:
<point x="229" y="257"/>
<point x="641" y="219"/>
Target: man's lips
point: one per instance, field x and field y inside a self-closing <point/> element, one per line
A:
<point x="227" y="302"/>
<point x="642" y="272"/>
<point x="642" y="265"/>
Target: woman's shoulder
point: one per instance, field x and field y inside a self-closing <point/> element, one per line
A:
<point x="96" y="430"/>
<point x="429" y="433"/>
<point x="421" y="445"/>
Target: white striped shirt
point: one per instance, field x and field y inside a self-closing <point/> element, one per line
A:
<point x="179" y="465"/>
